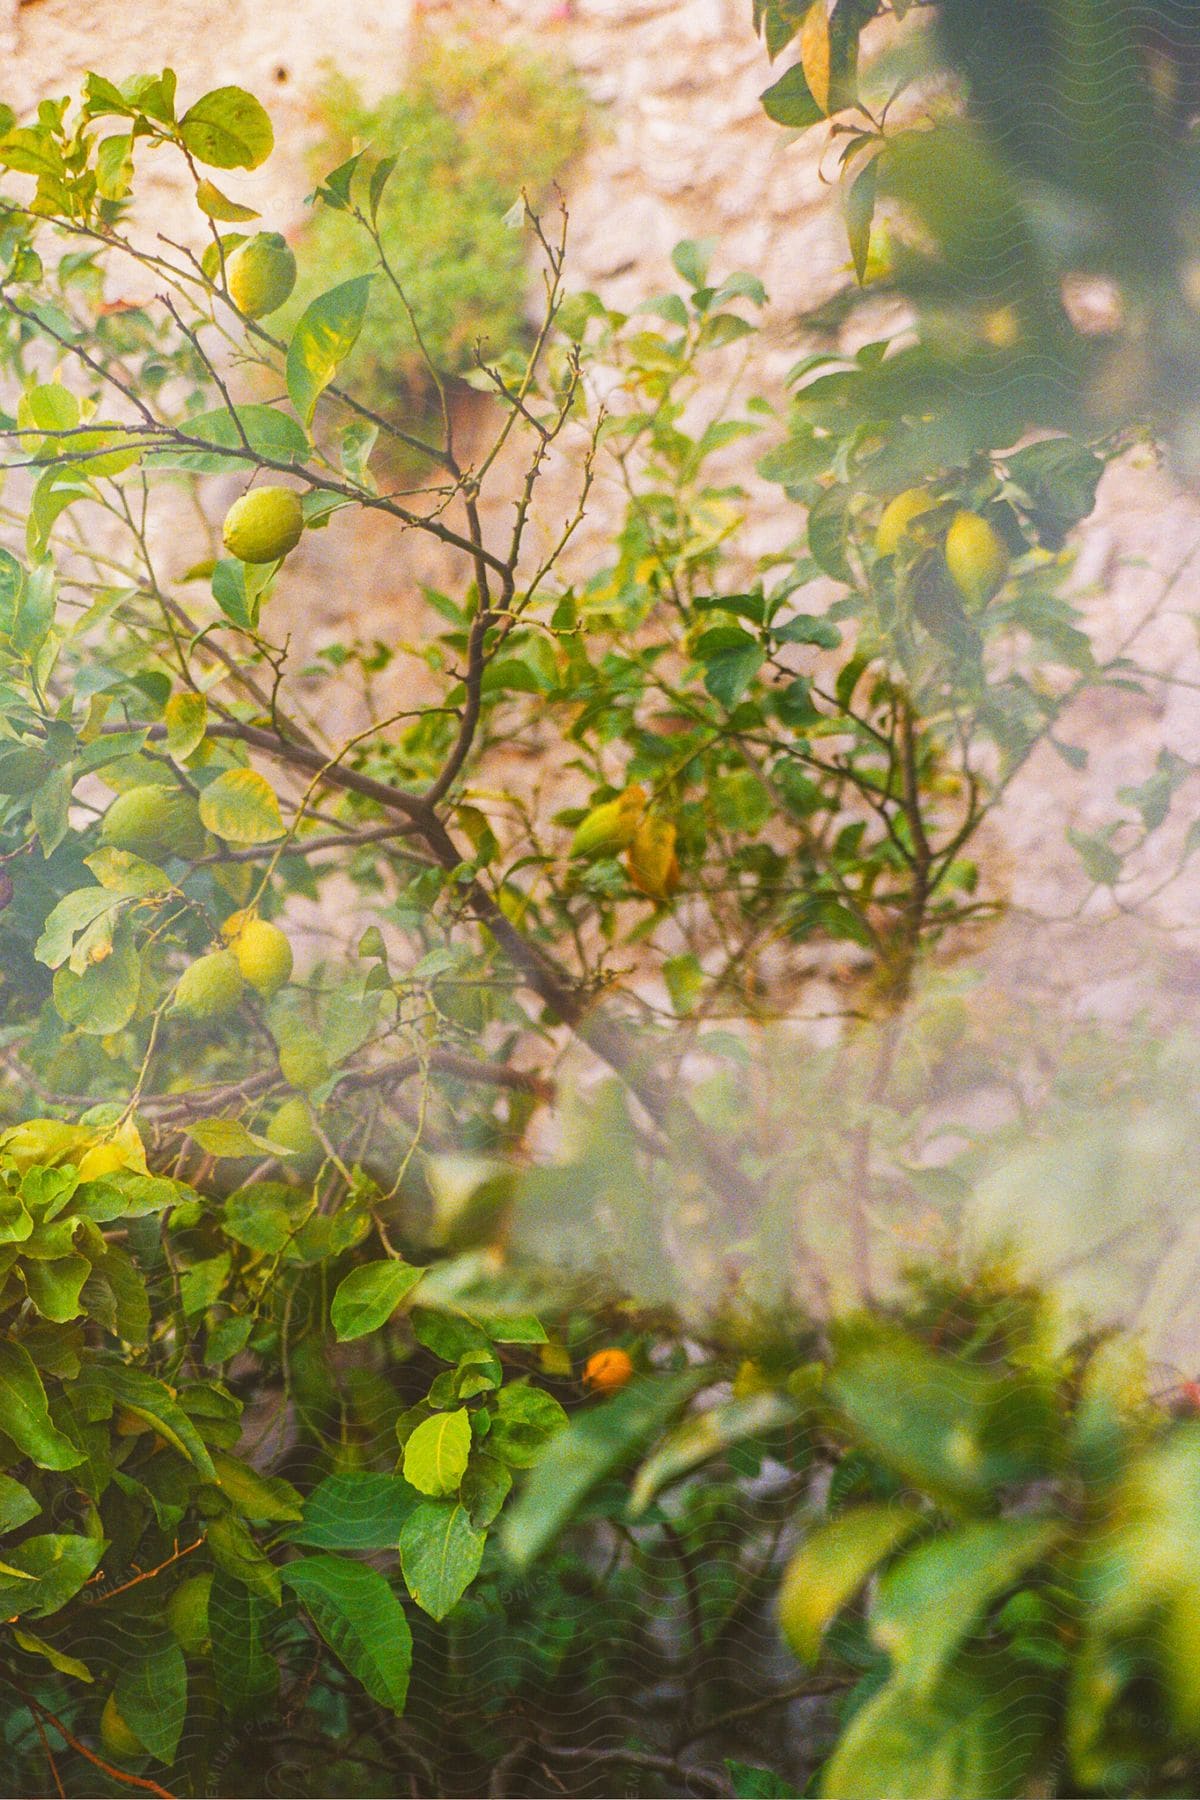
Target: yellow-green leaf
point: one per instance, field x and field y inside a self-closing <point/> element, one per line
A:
<point x="66" y="1665"/>
<point x="217" y="205"/>
<point x="830" y="1567"/>
<point x="240" y="807"/>
<point x="227" y="129"/>
<point x="815" y="53"/>
<point x="186" y="717"/>
<point x="435" y="1456"/>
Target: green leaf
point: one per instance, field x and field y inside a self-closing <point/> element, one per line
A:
<point x="690" y="259"/>
<point x="227" y="129"/>
<point x="937" y="1595"/>
<point x="380" y="176"/>
<point x="367" y="1297"/>
<point x="789" y="101"/>
<point x="240" y="807"/>
<point x="435" y="1456"/>
<point x="827" y="534"/>
<point x="152" y="1693"/>
<point x="114" y="167"/>
<point x="360" y="1619"/>
<point x="1102" y="864"/>
<point x="66" y="1665"/>
<point x="24" y="1414"/>
<point x="1059" y="477"/>
<point x="447" y="1334"/>
<point x="731" y="658"/>
<point x="17" y="1504"/>
<point x="104" y="997"/>
<point x="270" y="432"/>
<point x="54" y="1285"/>
<point x="595" y="1443"/>
<point x="512" y="1328"/>
<point x="831" y="1566"/>
<point x="234" y="1550"/>
<point x="974" y="1738"/>
<point x="354" y="1511"/>
<point x="150" y="1400"/>
<point x="860" y="211"/>
<point x="69" y="919"/>
<point x="322" y="340"/>
<point x="525" y="1421"/>
<point x="751" y="1783"/>
<point x="485" y="1487"/>
<point x="440" y="1554"/>
<point x="230" y="1138"/>
<point x="685" y="981"/>
<point x="264" y="1499"/>
<point x="48" y="1572"/>
<point x="239" y="1620"/>
<point x="264" y="1216"/>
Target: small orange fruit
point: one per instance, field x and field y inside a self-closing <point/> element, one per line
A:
<point x="608" y="1371"/>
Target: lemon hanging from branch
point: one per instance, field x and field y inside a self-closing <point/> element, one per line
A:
<point x="261" y="274"/>
<point x="264" y="525"/>
<point x="977" y="557"/>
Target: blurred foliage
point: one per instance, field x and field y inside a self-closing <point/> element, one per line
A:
<point x="1039" y="209"/>
<point x="476" y="124"/>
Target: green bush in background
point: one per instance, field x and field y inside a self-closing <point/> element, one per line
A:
<point x="475" y="125"/>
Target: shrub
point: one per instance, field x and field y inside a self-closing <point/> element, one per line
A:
<point x="474" y="126"/>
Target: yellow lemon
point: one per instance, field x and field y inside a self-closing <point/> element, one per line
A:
<point x="263" y="525"/>
<point x="976" y="557"/>
<point x="898" y="515"/>
<point x="261" y="274"/>
<point x="264" y="956"/>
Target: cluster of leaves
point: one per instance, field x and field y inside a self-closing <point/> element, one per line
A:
<point x="475" y="125"/>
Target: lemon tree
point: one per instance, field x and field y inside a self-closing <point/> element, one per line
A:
<point x="366" y="1395"/>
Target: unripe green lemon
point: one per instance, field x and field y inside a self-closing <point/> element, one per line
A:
<point x="115" y="1734"/>
<point x="898" y="515"/>
<point x="303" y="1062"/>
<point x="187" y="1615"/>
<point x="262" y="273"/>
<point x="154" y="821"/>
<point x="264" y="956"/>
<point x="210" y="987"/>
<point x="291" y="1127"/>
<point x="263" y="525"/>
<point x="976" y="557"/>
